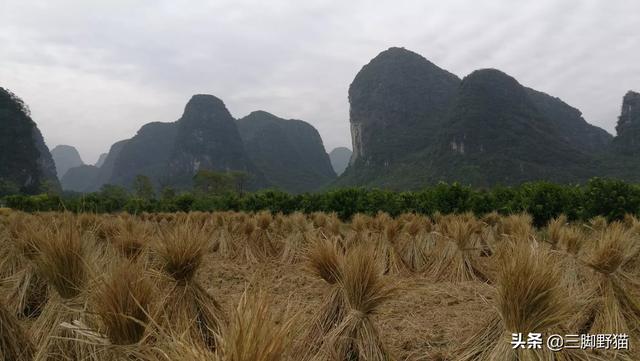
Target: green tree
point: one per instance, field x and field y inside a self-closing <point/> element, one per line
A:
<point x="112" y="198"/>
<point x="8" y="188"/>
<point x="168" y="193"/>
<point x="240" y="180"/>
<point x="143" y="187"/>
<point x="211" y="183"/>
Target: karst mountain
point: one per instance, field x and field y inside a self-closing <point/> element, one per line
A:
<point x="412" y="124"/>
<point x="26" y="164"/>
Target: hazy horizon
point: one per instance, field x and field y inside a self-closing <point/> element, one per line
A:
<point x="94" y="72"/>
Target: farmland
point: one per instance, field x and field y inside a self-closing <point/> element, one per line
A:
<point x="262" y="286"/>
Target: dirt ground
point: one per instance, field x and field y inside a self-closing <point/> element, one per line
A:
<point x="424" y="320"/>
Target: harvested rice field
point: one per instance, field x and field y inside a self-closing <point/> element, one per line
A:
<point x="237" y="286"/>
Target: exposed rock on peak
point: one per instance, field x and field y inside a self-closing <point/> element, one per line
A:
<point x="397" y="104"/>
<point x="630" y="109"/>
<point x="627" y="140"/>
<point x="207" y="138"/>
<point x="413" y="123"/>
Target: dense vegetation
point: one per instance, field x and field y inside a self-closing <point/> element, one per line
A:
<point x="414" y="123"/>
<point x="25" y="162"/>
<point x="213" y="192"/>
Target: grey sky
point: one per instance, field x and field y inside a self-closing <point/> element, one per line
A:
<point x="94" y="71"/>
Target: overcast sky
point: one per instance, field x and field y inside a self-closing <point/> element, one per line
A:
<point x="94" y="71"/>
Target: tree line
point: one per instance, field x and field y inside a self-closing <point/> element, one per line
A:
<point x="225" y="192"/>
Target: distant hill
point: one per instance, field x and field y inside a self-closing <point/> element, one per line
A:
<point x="26" y="164"/>
<point x="413" y="123"/>
<point x="340" y="159"/>
<point x="289" y="152"/>
<point x="81" y="179"/>
<point x="65" y="157"/>
<point x="205" y="137"/>
<point x="88" y="178"/>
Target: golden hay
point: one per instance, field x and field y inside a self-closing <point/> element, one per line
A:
<point x="256" y="332"/>
<point x="571" y="239"/>
<point x="131" y="237"/>
<point x="597" y="224"/>
<point x="187" y="308"/>
<point x="458" y="255"/>
<point x="554" y="230"/>
<point x="388" y="243"/>
<point x="531" y="298"/>
<point x="416" y="243"/>
<point x="47" y="263"/>
<point x="614" y="296"/>
<point x="22" y="286"/>
<point x="364" y="289"/>
<point x="26" y="292"/>
<point x="326" y="260"/>
<point x="14" y="343"/>
<point x="122" y="303"/>
<point x="258" y="243"/>
<point x="181" y="250"/>
<point x="294" y="246"/>
<point x="64" y="261"/>
<point x="516" y="226"/>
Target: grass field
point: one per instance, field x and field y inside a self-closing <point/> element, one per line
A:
<point x="237" y="286"/>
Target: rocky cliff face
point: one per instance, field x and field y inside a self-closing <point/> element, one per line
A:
<point x="627" y="140"/>
<point x="289" y="152"/>
<point x="398" y="102"/>
<point x="414" y="124"/>
<point x="207" y="138"/>
<point x="25" y="162"/>
<point x="65" y="158"/>
<point x="340" y="159"/>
